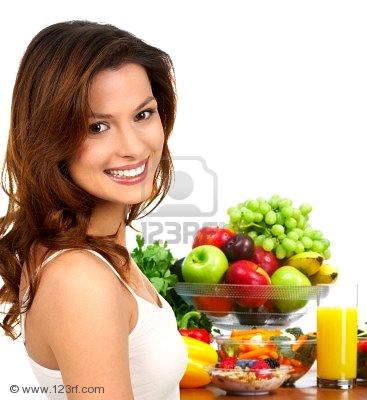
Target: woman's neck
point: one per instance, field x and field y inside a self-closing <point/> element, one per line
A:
<point x="109" y="219"/>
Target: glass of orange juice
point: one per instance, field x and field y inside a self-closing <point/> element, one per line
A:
<point x="337" y="325"/>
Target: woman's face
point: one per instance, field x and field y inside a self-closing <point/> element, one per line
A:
<point x="118" y="159"/>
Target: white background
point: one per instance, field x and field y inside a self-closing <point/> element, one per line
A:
<point x="271" y="94"/>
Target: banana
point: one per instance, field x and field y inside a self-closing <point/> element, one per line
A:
<point x="326" y="274"/>
<point x="308" y="262"/>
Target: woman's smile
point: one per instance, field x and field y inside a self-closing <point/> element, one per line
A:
<point x="129" y="175"/>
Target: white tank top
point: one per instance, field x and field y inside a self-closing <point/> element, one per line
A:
<point x="157" y="353"/>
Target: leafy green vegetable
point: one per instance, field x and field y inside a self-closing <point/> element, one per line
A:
<point x="231" y="349"/>
<point x="296" y="332"/>
<point x="283" y="345"/>
<point x="305" y="353"/>
<point x="156" y="262"/>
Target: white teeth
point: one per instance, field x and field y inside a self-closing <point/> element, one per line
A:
<point x="126" y="173"/>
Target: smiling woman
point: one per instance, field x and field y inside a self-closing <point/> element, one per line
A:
<point x="93" y="108"/>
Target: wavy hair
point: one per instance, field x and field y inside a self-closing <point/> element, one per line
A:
<point x="49" y="121"/>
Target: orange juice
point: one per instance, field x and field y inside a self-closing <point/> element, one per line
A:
<point x="336" y="342"/>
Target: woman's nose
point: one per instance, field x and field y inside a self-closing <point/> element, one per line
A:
<point x="129" y="142"/>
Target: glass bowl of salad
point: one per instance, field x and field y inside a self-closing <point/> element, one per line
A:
<point x="278" y="348"/>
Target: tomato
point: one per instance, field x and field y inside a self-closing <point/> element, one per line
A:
<point x="215" y="306"/>
<point x="362" y="346"/>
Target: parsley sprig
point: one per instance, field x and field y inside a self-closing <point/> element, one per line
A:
<point x="155" y="261"/>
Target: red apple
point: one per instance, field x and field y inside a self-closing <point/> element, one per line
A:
<point x="245" y="272"/>
<point x="266" y="260"/>
<point x="214" y="236"/>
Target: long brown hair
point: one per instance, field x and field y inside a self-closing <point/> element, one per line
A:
<point x="49" y="121"/>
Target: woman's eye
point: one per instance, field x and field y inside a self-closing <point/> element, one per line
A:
<point x="144" y="114"/>
<point x="98" y="127"/>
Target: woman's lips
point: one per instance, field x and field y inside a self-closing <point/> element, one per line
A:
<point x="131" y="180"/>
<point x="132" y="166"/>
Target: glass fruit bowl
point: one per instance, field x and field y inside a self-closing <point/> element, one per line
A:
<point x="238" y="306"/>
<point x="277" y="348"/>
<point x="248" y="381"/>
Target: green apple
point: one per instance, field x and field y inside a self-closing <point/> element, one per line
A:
<point x="289" y="276"/>
<point x="205" y="264"/>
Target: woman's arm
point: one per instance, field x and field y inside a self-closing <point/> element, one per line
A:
<point x="86" y="323"/>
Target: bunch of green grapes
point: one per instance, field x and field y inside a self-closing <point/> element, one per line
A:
<point x="277" y="226"/>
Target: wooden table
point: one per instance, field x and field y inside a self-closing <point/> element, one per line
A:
<point x="305" y="389"/>
<point x="311" y="393"/>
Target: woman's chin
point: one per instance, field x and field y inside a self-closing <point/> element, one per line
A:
<point x="138" y="198"/>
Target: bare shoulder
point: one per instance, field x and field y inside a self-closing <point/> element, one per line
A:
<point x="80" y="278"/>
<point x="78" y="273"/>
<point x="71" y="263"/>
<point x="86" y="313"/>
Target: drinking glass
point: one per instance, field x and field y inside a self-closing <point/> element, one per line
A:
<point x="337" y="324"/>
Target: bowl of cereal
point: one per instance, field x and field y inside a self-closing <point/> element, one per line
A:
<point x="279" y="348"/>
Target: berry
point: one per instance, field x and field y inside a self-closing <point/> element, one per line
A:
<point x="260" y="364"/>
<point x="261" y="369"/>
<point x="245" y="363"/>
<point x="272" y="363"/>
<point x="228" y="363"/>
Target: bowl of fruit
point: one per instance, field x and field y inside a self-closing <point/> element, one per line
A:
<point x="289" y="348"/>
<point x="261" y="269"/>
<point x="231" y="306"/>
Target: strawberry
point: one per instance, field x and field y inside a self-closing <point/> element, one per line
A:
<point x="261" y="369"/>
<point x="228" y="363"/>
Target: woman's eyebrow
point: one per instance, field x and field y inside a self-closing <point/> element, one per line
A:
<point x="145" y="102"/>
<point x="100" y="115"/>
<point x="110" y="116"/>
